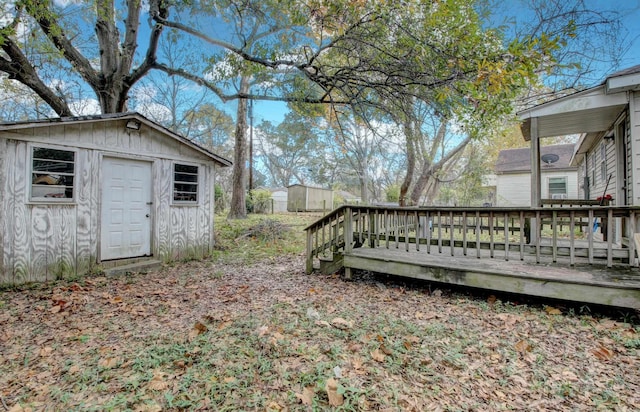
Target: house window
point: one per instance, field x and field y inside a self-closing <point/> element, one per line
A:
<point x="52" y="174"/>
<point x="185" y="183"/>
<point x="558" y="187"/>
<point x="603" y="162"/>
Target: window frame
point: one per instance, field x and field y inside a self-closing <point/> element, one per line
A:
<point x="30" y="172"/>
<point x="566" y="185"/>
<point x="197" y="184"/>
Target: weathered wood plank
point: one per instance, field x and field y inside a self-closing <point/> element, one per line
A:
<point x="87" y="207"/>
<point x="41" y="244"/>
<point x="575" y="284"/>
<point x="162" y="208"/>
<point x="21" y="218"/>
<point x="4" y="148"/>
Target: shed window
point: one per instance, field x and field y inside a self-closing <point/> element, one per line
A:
<point x="557" y="187"/>
<point x="185" y="183"/>
<point x="52" y="174"/>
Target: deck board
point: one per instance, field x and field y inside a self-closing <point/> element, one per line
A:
<point x="617" y="286"/>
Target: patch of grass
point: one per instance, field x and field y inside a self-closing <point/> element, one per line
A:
<point x="259" y="237"/>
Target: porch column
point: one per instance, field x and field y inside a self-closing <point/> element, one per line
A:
<point x="536" y="192"/>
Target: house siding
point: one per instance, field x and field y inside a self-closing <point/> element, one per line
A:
<point x="634" y="146"/>
<point x="46" y="241"/>
<point x="514" y="189"/>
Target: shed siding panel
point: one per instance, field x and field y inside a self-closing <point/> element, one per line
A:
<point x="7" y="201"/>
<point x="4" y="146"/>
<point x="21" y="219"/>
<point x="41" y="242"/>
<point x="87" y="209"/>
<point x="162" y="177"/>
<point x="178" y="232"/>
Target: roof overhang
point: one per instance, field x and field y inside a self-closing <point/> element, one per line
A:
<point x="586" y="141"/>
<point x="589" y="111"/>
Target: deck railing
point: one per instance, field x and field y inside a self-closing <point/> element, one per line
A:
<point x="554" y="234"/>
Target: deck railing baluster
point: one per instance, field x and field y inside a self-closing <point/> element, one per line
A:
<point x="590" y="236"/>
<point x="396" y="225"/>
<point x="478" y="226"/>
<point x="554" y="236"/>
<point x="452" y="233"/>
<point x="506" y="236"/>
<point x="538" y="235"/>
<point x="428" y="228"/>
<point x="491" y="217"/>
<point x="418" y="228"/>
<point x="572" y="246"/>
<point x="386" y="228"/>
<point x="521" y="215"/>
<point x="406" y="230"/>
<point x="464" y="233"/>
<point x="439" y="232"/>
<point x="632" y="240"/>
<point x="610" y="224"/>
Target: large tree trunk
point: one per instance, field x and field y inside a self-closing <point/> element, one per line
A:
<point x="238" y="209"/>
<point x="411" y="163"/>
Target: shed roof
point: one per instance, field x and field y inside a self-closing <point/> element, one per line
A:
<point x="116" y="116"/>
<point x="519" y="160"/>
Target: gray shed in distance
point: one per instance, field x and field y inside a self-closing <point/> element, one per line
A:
<point x="303" y="198"/>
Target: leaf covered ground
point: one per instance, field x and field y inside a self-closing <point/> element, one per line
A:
<point x="248" y="330"/>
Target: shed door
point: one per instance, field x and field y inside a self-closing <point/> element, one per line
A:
<point x="126" y="209"/>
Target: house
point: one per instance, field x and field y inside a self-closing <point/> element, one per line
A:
<point x="85" y="192"/>
<point x="608" y="153"/>
<point x="513" y="175"/>
<point x="303" y="198"/>
<point x="279" y="197"/>
<point x="348" y="197"/>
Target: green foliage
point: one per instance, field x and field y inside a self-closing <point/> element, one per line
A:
<point x="392" y="193"/>
<point x="219" y="198"/>
<point x="259" y="201"/>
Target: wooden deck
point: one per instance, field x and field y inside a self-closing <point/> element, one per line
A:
<point x="487" y="248"/>
<point x="617" y="286"/>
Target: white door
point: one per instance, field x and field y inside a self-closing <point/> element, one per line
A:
<point x="126" y="209"/>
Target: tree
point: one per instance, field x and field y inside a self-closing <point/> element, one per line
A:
<point x="286" y="148"/>
<point x="365" y="54"/>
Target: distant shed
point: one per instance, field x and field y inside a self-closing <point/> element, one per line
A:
<point x="303" y="198"/>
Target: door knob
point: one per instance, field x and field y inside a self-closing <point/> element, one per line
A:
<point x="147" y="214"/>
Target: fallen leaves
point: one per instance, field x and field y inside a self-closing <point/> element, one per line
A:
<point x="274" y="332"/>
<point x="552" y="311"/>
<point x="335" y="398"/>
<point x="602" y="353"/>
<point x="158" y="383"/>
<point x="307" y="395"/>
<point x="197" y="330"/>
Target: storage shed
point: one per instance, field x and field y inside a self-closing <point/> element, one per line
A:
<point x="303" y="198"/>
<point x="82" y="192"/>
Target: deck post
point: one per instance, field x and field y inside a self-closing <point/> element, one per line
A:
<point x="309" y="266"/>
<point x="348" y="238"/>
<point x="536" y="194"/>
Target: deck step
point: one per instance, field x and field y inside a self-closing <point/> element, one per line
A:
<point x="136" y="267"/>
<point x="330" y="265"/>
